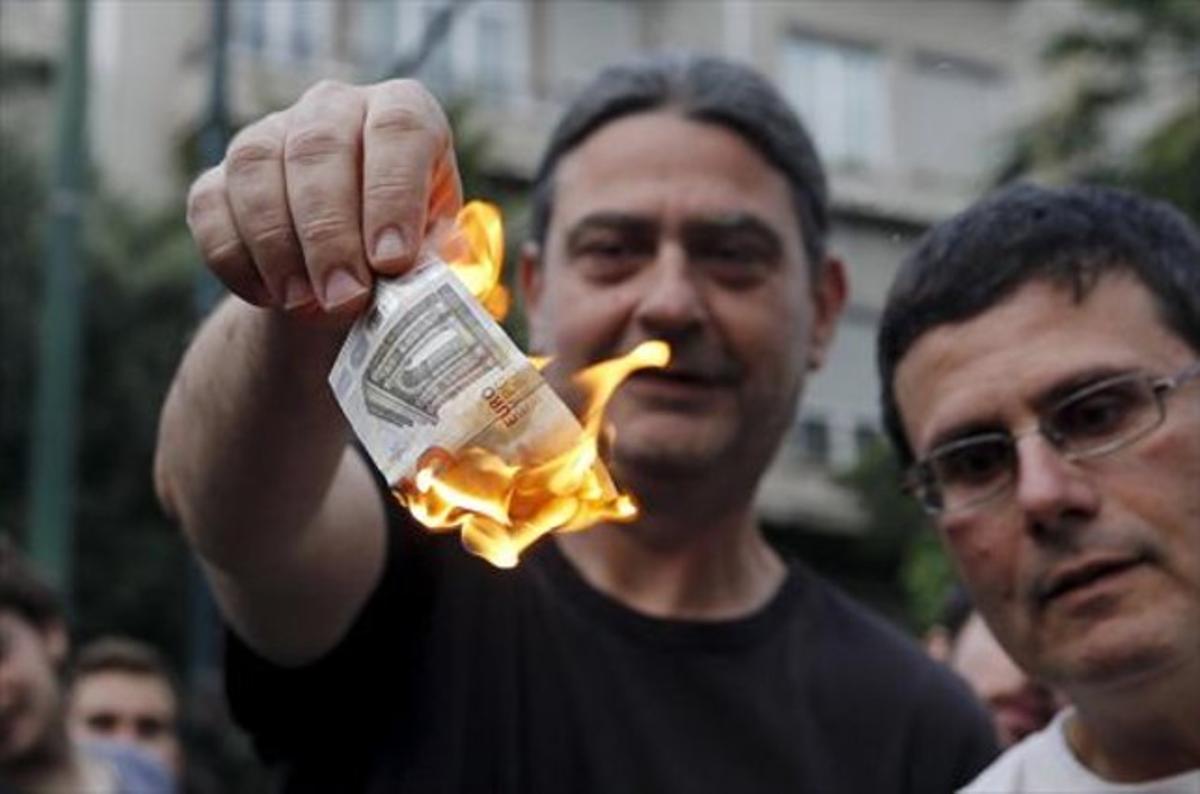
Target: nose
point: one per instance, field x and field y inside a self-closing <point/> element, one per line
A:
<point x="673" y="301"/>
<point x="1055" y="493"/>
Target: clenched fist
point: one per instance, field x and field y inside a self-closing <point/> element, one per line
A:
<point x="311" y="203"/>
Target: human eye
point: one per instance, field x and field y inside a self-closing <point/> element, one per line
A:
<point x="972" y="463"/>
<point x="102" y="723"/>
<point x="739" y="257"/>
<point x="1103" y="412"/>
<point x="150" y="727"/>
<point x="608" y="254"/>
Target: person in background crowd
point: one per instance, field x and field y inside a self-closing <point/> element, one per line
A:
<point x="121" y="690"/>
<point x="1019" y="705"/>
<point x="679" y="199"/>
<point x="37" y="755"/>
<point x="1040" y="360"/>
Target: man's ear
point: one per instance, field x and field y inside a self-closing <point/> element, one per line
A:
<point x="829" y="298"/>
<point x="56" y="642"/>
<point x="531" y="276"/>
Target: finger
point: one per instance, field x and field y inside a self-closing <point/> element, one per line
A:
<point x="210" y="220"/>
<point x="254" y="181"/>
<point x="407" y="163"/>
<point x="447" y="197"/>
<point x="321" y="173"/>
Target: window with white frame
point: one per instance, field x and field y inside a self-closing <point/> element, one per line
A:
<point x="379" y="34"/>
<point x="838" y="89"/>
<point x="284" y="30"/>
<point x="494" y="38"/>
<point x="952" y="116"/>
<point x="250" y="25"/>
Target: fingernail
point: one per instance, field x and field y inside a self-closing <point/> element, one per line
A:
<point x="342" y="287"/>
<point x="389" y="245"/>
<point x="296" y="292"/>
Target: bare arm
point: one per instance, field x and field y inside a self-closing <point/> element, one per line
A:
<point x="252" y="454"/>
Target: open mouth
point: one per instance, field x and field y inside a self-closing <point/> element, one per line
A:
<point x="1081" y="576"/>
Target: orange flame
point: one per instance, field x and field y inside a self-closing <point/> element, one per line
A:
<point x="503" y="507"/>
<point x="477" y="255"/>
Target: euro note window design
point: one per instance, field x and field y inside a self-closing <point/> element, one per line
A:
<point x="838" y="89"/>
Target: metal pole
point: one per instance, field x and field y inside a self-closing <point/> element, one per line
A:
<point x="204" y="628"/>
<point x="52" y="502"/>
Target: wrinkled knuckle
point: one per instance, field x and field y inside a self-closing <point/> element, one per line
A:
<point x="327" y="89"/>
<point x="314" y="143"/>
<point x="203" y="200"/>
<point x="323" y="231"/>
<point x="271" y="233"/>
<point x="391" y="190"/>
<point x="401" y="119"/>
<point x="247" y="155"/>
<point x="225" y="255"/>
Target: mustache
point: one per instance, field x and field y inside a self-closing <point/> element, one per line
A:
<point x="698" y="364"/>
<point x="698" y="361"/>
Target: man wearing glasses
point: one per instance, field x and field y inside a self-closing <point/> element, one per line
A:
<point x="1040" y="356"/>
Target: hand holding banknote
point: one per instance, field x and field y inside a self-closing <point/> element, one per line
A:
<point x="313" y="202"/>
<point x="308" y="208"/>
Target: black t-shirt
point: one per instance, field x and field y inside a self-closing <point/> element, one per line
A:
<point x="458" y="677"/>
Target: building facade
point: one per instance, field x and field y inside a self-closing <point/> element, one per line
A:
<point x="908" y="101"/>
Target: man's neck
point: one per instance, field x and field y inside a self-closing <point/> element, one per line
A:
<point x="1140" y="733"/>
<point x="718" y="571"/>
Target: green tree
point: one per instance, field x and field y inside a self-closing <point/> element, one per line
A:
<point x="129" y="569"/>
<point x="899" y="537"/>
<point x="1114" y="60"/>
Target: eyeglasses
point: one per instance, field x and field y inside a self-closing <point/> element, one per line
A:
<point x="1096" y="420"/>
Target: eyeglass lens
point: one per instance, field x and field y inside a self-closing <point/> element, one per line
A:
<point x="1093" y="421"/>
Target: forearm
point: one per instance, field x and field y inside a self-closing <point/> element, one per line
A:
<point x="250" y="437"/>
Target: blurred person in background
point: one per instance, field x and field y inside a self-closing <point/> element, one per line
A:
<point x="1040" y="360"/>
<point x="679" y="199"/>
<point x="121" y="690"/>
<point x="961" y="639"/>
<point x="37" y="755"/>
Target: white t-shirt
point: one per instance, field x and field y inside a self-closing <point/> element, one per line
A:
<point x="1043" y="762"/>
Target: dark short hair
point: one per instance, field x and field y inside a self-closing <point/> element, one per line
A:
<point x="24" y="591"/>
<point x="702" y="88"/>
<point x="1071" y="236"/>
<point x="121" y="655"/>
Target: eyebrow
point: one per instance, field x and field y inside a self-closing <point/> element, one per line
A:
<point x="735" y="223"/>
<point x="1077" y="381"/>
<point x="618" y="222"/>
<point x="964" y="430"/>
<point x="704" y="228"/>
<point x="1041" y="402"/>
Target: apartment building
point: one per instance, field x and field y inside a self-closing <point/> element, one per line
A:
<point x="908" y="101"/>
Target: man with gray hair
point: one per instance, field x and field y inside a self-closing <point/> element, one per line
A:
<point x="1040" y="358"/>
<point x="679" y="200"/>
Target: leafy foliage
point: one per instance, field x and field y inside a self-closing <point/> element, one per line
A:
<point x="1114" y="61"/>
<point x="898" y="531"/>
<point x="129" y="571"/>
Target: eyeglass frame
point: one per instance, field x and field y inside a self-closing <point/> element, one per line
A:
<point x="918" y="477"/>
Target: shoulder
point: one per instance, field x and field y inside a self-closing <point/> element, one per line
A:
<point x="860" y="642"/>
<point x="880" y="673"/>
<point x="1041" y="762"/>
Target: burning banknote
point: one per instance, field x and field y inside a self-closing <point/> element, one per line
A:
<point x="459" y="421"/>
